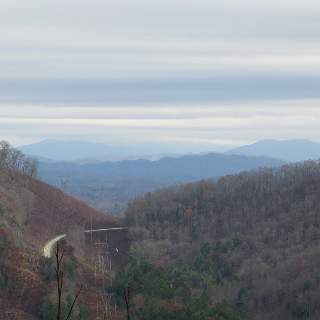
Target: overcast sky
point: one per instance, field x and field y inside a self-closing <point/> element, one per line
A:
<point x="182" y="72"/>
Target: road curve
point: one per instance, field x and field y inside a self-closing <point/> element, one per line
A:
<point x="49" y="246"/>
<point x="48" y="249"/>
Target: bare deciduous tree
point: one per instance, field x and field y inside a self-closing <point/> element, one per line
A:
<point x="59" y="279"/>
<point x="11" y="158"/>
<point x="126" y="296"/>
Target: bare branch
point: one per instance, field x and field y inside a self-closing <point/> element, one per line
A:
<point x="73" y="303"/>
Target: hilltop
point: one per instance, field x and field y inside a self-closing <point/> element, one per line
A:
<point x="56" y="150"/>
<point x="287" y="150"/>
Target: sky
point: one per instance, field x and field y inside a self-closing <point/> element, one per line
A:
<point x="189" y="74"/>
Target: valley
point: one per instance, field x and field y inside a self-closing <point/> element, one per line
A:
<point x="237" y="247"/>
<point x="109" y="186"/>
<point x="159" y="160"/>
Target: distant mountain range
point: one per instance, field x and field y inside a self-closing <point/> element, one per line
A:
<point x="110" y="185"/>
<point x="88" y="152"/>
<point x="287" y="150"/>
<point x="73" y="151"/>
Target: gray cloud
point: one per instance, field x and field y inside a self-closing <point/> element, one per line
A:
<point x="63" y="62"/>
<point x="135" y="38"/>
<point x="240" y="87"/>
<point x="206" y="127"/>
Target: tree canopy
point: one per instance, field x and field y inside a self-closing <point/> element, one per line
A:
<point x="11" y="158"/>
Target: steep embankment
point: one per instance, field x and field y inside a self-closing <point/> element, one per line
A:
<point x="254" y="238"/>
<point x="32" y="213"/>
<point x="43" y="212"/>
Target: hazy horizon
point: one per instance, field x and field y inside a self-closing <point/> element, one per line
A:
<point x="84" y="151"/>
<point x="203" y="74"/>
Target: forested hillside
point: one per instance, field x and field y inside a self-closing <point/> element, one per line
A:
<point x="31" y="214"/>
<point x="251" y="241"/>
<point x="14" y="159"/>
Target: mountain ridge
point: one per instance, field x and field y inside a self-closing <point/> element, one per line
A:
<point x="85" y="152"/>
<point x="109" y="185"/>
<point x="287" y="150"/>
<point x="81" y="151"/>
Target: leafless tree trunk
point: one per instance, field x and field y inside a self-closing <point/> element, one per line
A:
<point x="126" y="296"/>
<point x="59" y="280"/>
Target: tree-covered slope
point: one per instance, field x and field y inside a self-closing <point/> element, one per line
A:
<point x="253" y="237"/>
<point x="31" y="213"/>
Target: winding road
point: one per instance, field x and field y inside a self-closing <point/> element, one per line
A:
<point x="48" y="249"/>
<point x="50" y="245"/>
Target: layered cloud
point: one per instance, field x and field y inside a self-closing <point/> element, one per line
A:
<point x="202" y="127"/>
<point x="204" y="72"/>
<point x="134" y="38"/>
